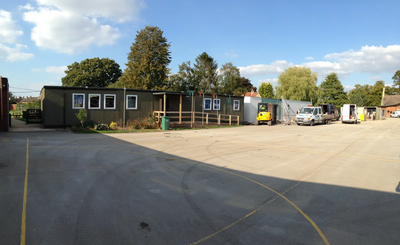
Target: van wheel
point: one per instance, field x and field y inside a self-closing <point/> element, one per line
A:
<point x="269" y="123"/>
<point x="312" y="123"/>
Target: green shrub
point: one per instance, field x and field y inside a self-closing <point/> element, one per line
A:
<point x="82" y="116"/>
<point x="101" y="127"/>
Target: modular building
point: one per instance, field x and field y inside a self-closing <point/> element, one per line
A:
<point x="286" y="108"/>
<point x="60" y="105"/>
<point x="4" y="105"/>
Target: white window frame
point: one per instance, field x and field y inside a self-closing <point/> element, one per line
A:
<point x="73" y="101"/>
<point x="219" y="104"/>
<point x="115" y="101"/>
<point x="234" y="102"/>
<point x="99" y="102"/>
<point x="209" y="109"/>
<point x="131" y="95"/>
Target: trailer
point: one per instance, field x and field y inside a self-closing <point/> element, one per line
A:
<point x="349" y="113"/>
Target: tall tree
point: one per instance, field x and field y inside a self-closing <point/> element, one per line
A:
<point x="297" y="83"/>
<point x="332" y="91"/>
<point x="148" y="61"/>
<point x="266" y="90"/>
<point x="360" y="95"/>
<point x="205" y="70"/>
<point x="246" y="83"/>
<point x="375" y="96"/>
<point x="94" y="72"/>
<point x="230" y="80"/>
<point x="396" y="78"/>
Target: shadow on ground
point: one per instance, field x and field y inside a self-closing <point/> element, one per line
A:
<point x="95" y="189"/>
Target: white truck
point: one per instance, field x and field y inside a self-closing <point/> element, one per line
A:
<point x="310" y="116"/>
<point x="349" y="113"/>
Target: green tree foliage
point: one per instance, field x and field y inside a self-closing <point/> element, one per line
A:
<point x="266" y="90"/>
<point x="11" y="98"/>
<point x="205" y="71"/>
<point x="297" y="83"/>
<point x="230" y="80"/>
<point x="184" y="80"/>
<point x="360" y="95"/>
<point x="148" y="61"/>
<point x="246" y="83"/>
<point x="396" y="79"/>
<point x="94" y="72"/>
<point x="375" y="96"/>
<point x="391" y="90"/>
<point x="332" y="91"/>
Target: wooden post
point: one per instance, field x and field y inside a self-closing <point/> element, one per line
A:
<point x="230" y="120"/>
<point x="206" y="118"/>
<point x="180" y="110"/>
<point x="165" y="104"/>
<point x="237" y="120"/>
<point x="219" y="119"/>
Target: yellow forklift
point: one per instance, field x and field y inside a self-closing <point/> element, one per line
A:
<point x="267" y="113"/>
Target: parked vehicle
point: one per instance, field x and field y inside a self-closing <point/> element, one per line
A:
<point x="311" y="115"/>
<point x="330" y="111"/>
<point x="395" y="114"/>
<point x="349" y="113"/>
<point x="267" y="113"/>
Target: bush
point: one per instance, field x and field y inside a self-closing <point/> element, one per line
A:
<point x="113" y="125"/>
<point x="101" y="127"/>
<point x="82" y="116"/>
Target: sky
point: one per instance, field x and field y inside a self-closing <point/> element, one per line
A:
<point x="358" y="40"/>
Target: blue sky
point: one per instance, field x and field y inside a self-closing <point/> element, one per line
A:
<point x="359" y="40"/>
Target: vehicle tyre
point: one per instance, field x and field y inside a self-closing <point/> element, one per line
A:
<point x="298" y="124"/>
<point x="312" y="123"/>
<point x="269" y="123"/>
<point x="258" y="123"/>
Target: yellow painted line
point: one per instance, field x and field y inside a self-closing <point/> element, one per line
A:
<point x="23" y="223"/>
<point x="225" y="171"/>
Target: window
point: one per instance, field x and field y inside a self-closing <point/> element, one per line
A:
<point x="216" y="104"/>
<point x="131" y="102"/>
<point x="109" y="101"/>
<point x="94" y="101"/>
<point x="207" y="104"/>
<point x="78" y="101"/>
<point x="236" y="105"/>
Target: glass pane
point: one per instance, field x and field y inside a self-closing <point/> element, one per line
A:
<point x="94" y="101"/>
<point x="109" y="101"/>
<point x="78" y="100"/>
<point x="207" y="104"/>
<point x="132" y="102"/>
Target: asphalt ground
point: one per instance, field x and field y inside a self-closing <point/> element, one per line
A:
<point x="326" y="184"/>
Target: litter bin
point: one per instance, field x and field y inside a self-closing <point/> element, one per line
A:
<point x="165" y="122"/>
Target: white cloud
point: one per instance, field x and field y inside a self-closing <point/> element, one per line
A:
<point x="309" y="58"/>
<point x="348" y="88"/>
<point x="70" y="26"/>
<point x="275" y="67"/>
<point x="66" y="32"/>
<point x="117" y="10"/>
<point x="376" y="78"/>
<point x="14" y="54"/>
<point x="27" y="6"/>
<point x="9" y="31"/>
<point x="369" y="59"/>
<point x="231" y="54"/>
<point x="52" y="69"/>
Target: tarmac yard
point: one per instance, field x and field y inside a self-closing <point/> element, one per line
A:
<point x="326" y="184"/>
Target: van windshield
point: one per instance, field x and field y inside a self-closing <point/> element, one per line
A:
<point x="306" y="110"/>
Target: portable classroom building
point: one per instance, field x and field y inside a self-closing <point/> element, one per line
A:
<point x="104" y="105"/>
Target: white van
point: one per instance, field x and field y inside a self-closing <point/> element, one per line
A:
<point x="395" y="114"/>
<point x="349" y="113"/>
